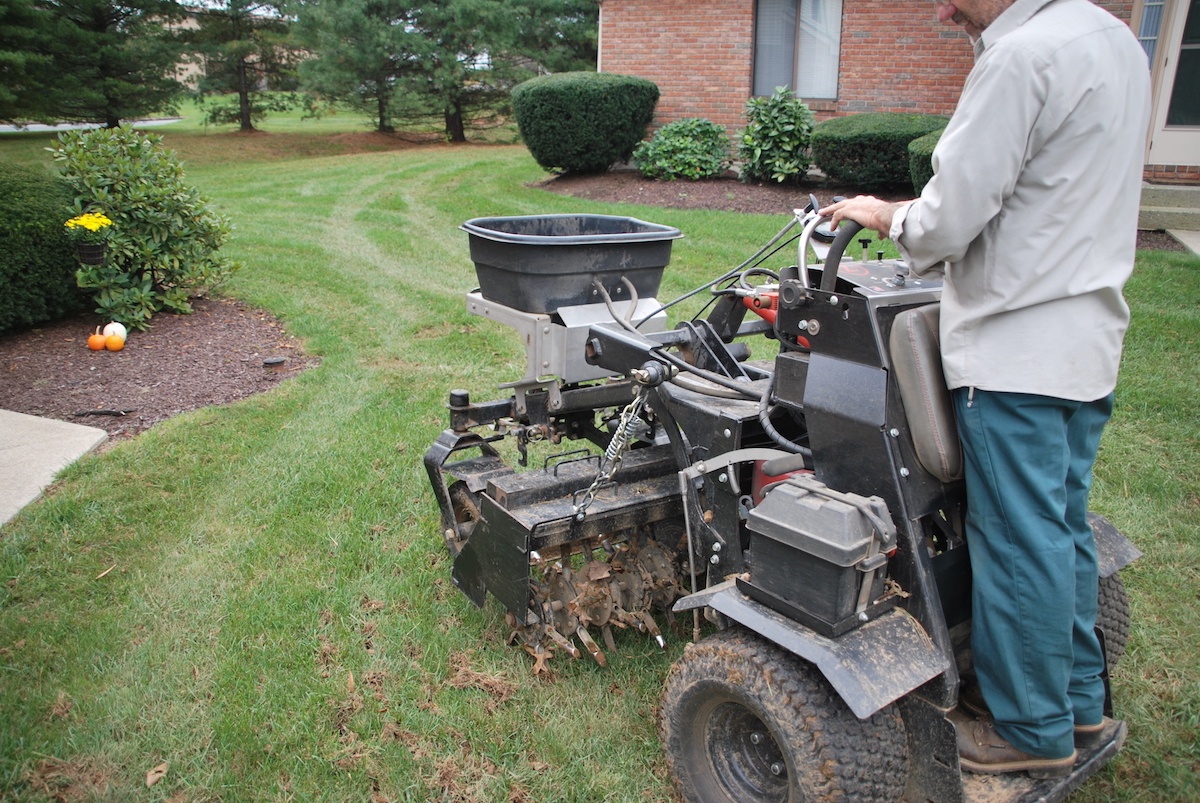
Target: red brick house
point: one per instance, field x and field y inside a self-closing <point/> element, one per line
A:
<point x="846" y="56"/>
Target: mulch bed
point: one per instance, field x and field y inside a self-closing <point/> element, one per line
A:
<point x="216" y="355"/>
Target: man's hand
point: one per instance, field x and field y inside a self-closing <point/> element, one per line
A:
<point x="866" y="210"/>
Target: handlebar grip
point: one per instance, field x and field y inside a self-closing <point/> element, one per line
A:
<point x="845" y="234"/>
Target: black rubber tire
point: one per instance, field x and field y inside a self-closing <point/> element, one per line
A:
<point x="734" y="706"/>
<point x="1113" y="616"/>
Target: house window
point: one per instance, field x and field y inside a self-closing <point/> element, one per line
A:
<point x="1184" y="108"/>
<point x="797" y="44"/>
<point x="1152" y="14"/>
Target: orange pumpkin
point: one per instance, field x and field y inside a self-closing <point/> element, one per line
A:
<point x="114" y="342"/>
<point x="97" y="342"/>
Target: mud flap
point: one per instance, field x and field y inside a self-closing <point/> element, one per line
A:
<point x="870" y="666"/>
<point x="1113" y="550"/>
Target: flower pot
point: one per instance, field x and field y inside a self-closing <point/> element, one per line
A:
<point x="91" y="253"/>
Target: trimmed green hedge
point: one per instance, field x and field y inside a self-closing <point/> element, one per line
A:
<point x="870" y="151"/>
<point x="37" y="261"/>
<point x="583" y="122"/>
<point x="920" y="159"/>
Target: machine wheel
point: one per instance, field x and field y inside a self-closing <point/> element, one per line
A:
<point x="1112" y="616"/>
<point x="744" y="722"/>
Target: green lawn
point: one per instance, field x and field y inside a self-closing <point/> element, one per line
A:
<point x="258" y="595"/>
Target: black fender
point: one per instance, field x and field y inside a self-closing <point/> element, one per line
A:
<point x="1113" y="550"/>
<point x="871" y="666"/>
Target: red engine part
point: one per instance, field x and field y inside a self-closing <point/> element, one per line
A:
<point x="761" y="480"/>
<point x="765" y="305"/>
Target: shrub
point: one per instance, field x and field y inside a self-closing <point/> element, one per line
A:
<point x="162" y="248"/>
<point x="774" y="144"/>
<point x="870" y="151"/>
<point x="37" y="260"/>
<point x="920" y="159"/>
<point x="583" y="122"/>
<point x="690" y="148"/>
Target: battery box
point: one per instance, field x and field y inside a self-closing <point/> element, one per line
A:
<point x="819" y="555"/>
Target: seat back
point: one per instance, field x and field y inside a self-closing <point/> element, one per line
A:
<point x="915" y="345"/>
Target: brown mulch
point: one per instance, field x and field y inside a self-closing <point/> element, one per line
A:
<point x="217" y="355"/>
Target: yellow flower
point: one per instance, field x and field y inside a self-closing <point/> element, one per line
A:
<point x="92" y="221"/>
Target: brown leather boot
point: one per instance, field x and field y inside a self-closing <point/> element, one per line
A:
<point x="970" y="700"/>
<point x="981" y="749"/>
<point x="1103" y="732"/>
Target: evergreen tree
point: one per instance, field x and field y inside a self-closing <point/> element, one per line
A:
<point x="87" y="60"/>
<point x="365" y="54"/>
<point x="560" y="35"/>
<point x="245" y="49"/>
<point x="449" y="60"/>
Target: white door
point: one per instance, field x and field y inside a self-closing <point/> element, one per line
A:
<point x="1175" y="130"/>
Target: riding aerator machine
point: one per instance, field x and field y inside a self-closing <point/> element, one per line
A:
<point x="803" y="505"/>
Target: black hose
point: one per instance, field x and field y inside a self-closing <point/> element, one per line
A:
<point x="764" y="419"/>
<point x="740" y="388"/>
<point x="762" y="252"/>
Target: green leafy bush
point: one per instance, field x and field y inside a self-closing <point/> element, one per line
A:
<point x="870" y="151"/>
<point x="774" y="143"/>
<point x="163" y="244"/>
<point x="583" y="122"/>
<point x="692" y="148"/>
<point x="37" y="260"/>
<point x="920" y="159"/>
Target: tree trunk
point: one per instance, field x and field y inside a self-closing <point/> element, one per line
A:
<point x="455" y="132"/>
<point x="385" y="119"/>
<point x="243" y="83"/>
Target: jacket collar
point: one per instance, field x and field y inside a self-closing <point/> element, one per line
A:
<point x="1009" y="20"/>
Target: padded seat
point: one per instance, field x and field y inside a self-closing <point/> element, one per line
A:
<point x="916" y="347"/>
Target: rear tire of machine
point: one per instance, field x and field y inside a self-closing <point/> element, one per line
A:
<point x="744" y="722"/>
<point x="1113" y="616"/>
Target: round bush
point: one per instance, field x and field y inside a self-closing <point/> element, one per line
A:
<point x="870" y="151"/>
<point x="920" y="159"/>
<point x="692" y="148"/>
<point x="163" y="249"/>
<point x="37" y="261"/>
<point x="582" y="122"/>
<point x="774" y="144"/>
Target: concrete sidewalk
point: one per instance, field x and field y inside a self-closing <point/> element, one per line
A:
<point x="1189" y="238"/>
<point x="32" y="451"/>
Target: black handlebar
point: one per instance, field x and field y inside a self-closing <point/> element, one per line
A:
<point x="845" y="233"/>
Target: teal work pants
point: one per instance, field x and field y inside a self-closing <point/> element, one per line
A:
<point x="1028" y="464"/>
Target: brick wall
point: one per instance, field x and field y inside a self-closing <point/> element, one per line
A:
<point x="698" y="52"/>
<point x="895" y="56"/>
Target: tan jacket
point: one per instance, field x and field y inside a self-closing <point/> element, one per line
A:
<point x="1032" y="212"/>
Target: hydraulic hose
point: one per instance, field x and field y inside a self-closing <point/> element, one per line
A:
<point x="764" y="419"/>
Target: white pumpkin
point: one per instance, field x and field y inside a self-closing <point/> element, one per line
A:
<point x="115" y="328"/>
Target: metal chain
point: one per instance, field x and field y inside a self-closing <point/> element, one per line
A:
<point x="617" y="447"/>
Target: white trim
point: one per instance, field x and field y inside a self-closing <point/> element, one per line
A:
<point x="1174" y="145"/>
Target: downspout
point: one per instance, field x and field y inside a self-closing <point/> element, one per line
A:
<point x="600" y="39"/>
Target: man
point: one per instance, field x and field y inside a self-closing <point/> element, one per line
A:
<point x="1031" y="217"/>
